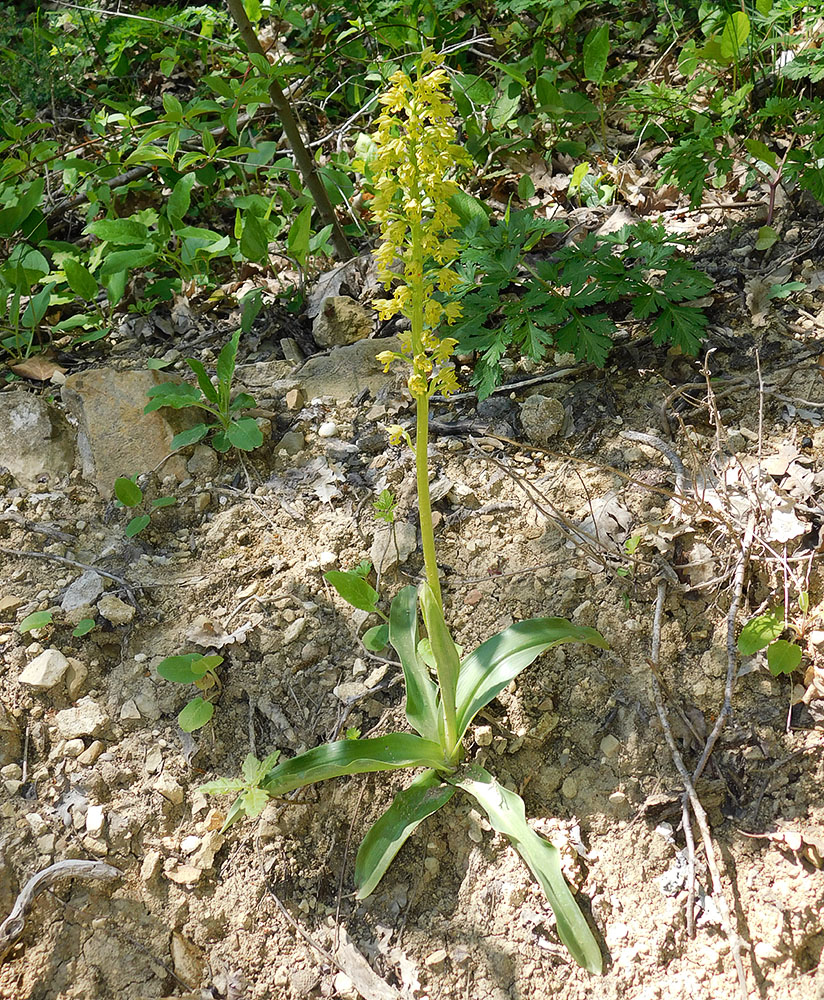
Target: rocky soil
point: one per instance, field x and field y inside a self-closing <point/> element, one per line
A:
<point x="538" y="493"/>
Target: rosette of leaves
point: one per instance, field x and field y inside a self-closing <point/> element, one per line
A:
<point x="228" y="427"/>
<point x="199" y="670"/>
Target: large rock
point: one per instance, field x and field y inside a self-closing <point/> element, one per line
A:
<point x="341" y="321"/>
<point x="345" y="371"/>
<point x="35" y="440"/>
<point x="389" y="549"/>
<point x="115" y="437"/>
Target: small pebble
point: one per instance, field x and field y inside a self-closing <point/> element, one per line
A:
<point x="327" y="429"/>
<point x="569" y="789"/>
<point x="73" y="748"/>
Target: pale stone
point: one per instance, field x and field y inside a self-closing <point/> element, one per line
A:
<point x="436" y="959"/>
<point x="184" y="875"/>
<point x="95" y="820"/>
<point x="189" y="844"/>
<point x="483" y="736"/>
<point x="292" y="442"/>
<point x="91" y="753"/>
<point x="187" y="960"/>
<point x="388" y="551"/>
<point x="204" y="857"/>
<point x="327" y="429"/>
<point x="542" y="418"/>
<point x="609" y="745"/>
<point x="152" y="863"/>
<point x="294" y="630"/>
<point x="87" y="718"/>
<point x="45" y="670"/>
<point x="341" y="321"/>
<point x="35" y="440"/>
<point x="169" y="789"/>
<point x="569" y="789"/>
<point x="346" y="371"/>
<point x="129" y="712"/>
<point x="83" y="591"/>
<point x="204" y="462"/>
<point x="114" y="610"/>
<point x="73" y="748"/>
<point x="76" y="677"/>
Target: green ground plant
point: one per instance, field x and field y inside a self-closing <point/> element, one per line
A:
<point x="228" y="427"/>
<point x="130" y="495"/>
<point x="415" y="157"/>
<point x="199" y="670"/>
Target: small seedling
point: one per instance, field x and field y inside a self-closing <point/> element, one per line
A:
<point x="228" y="428"/>
<point x="129" y="494"/>
<point x="193" y="668"/>
<point x="385" y="507"/>
<point x="762" y="632"/>
<point x="251" y="798"/>
<point x="37" y="619"/>
<point x="355" y="590"/>
<point x="83" y="627"/>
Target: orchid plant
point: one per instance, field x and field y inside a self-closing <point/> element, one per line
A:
<point x="414" y="161"/>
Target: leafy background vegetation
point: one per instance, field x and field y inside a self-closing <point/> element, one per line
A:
<point x="142" y="160"/>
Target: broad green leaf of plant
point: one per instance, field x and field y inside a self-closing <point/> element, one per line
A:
<point x="177" y="396"/>
<point x="783" y="657"/>
<point x="376" y="638"/>
<point x="181" y="669"/>
<point x="410" y="807"/>
<point x="735" y="32"/>
<point x="596" y="53"/>
<point x="761" y="152"/>
<point x="760" y="631"/>
<point x="297" y="240"/>
<point x="254" y="244"/>
<point x="127" y="491"/>
<point x="127" y="260"/>
<point x="353" y="589"/>
<point x="244" y="434"/>
<point x="499" y="660"/>
<point x="180" y="199"/>
<point x="421" y="693"/>
<point x="120" y="232"/>
<point x="447" y="661"/>
<point x="767" y="237"/>
<point x="226" y="359"/>
<point x="84" y="626"/>
<point x="190" y="436"/>
<point x="195" y="715"/>
<point x="80" y="279"/>
<point x="332" y="760"/>
<point x="136" y="525"/>
<point x="505" y="811"/>
<point x="35" y="620"/>
<point x="203" y="380"/>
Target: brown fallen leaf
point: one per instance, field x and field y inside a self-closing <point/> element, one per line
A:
<point x="38" y="367"/>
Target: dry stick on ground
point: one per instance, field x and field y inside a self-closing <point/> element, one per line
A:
<point x="12" y="927"/>
<point x="697" y="809"/>
<point x="303" y="158"/>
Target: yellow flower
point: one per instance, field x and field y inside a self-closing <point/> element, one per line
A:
<point x="386" y="358"/>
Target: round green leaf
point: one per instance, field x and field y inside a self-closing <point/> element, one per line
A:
<point x="127" y="491"/>
<point x="137" y="524"/>
<point x="376" y="638"/>
<point x="178" y="669"/>
<point x="195" y="715"/>
<point x="83" y="626"/>
<point x="760" y="631"/>
<point x="36" y="620"/>
<point x="244" y="434"/>
<point x="783" y="657"/>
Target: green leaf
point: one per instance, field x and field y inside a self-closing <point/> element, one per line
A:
<point x="526" y="188"/>
<point x="469" y="210"/>
<point x="254" y="244"/>
<point x="499" y="660"/>
<point x="245" y="434"/>
<point x="178" y="669"/>
<point x="250" y="769"/>
<point x="180" y="199"/>
<point x="127" y="260"/>
<point x="35" y="620"/>
<point x="203" y="664"/>
<point x="761" y="152"/>
<point x="767" y="236"/>
<point x="13" y="217"/>
<point x="252" y="304"/>
<point x="38" y="306"/>
<point x="226" y="359"/>
<point x="127" y="491"/>
<point x="297" y="240"/>
<point x="203" y="379"/>
<point x="121" y="232"/>
<point x="506" y="813"/>
<point x="195" y="715"/>
<point x="760" y="631"/>
<point x="223" y="786"/>
<point x="190" y="436"/>
<point x="353" y="589"/>
<point x="174" y="394"/>
<point x="80" y="279"/>
<point x="254" y="801"/>
<point x="596" y="52"/>
<point x="331" y="760"/>
<point x="736" y="32"/>
<point x="136" y="525"/>
<point x="421" y="693"/>
<point x="163" y="502"/>
<point x="447" y="660"/>
<point x="783" y="657"/>
<point x="242" y="402"/>
<point x="172" y="107"/>
<point x="410" y="807"/>
<point x="84" y="626"/>
<point x="376" y="638"/>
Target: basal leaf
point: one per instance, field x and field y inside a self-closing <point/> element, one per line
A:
<point x="760" y="631"/>
<point x="136" y="525"/>
<point x="596" y="51"/>
<point x="410" y="807"/>
<point x="376" y="638"/>
<point x="178" y="669"/>
<point x="783" y="657"/>
<point x="505" y="811"/>
<point x="195" y="715"/>
<point x="447" y="660"/>
<point x="353" y="589"/>
<point x="178" y="396"/>
<point x="190" y="436"/>
<point x="254" y="801"/>
<point x="499" y="660"/>
<point x="331" y="760"/>
<point x="244" y="434"/>
<point x="84" y="626"/>
<point x="35" y="620"/>
<point x="127" y="492"/>
<point x="421" y="693"/>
